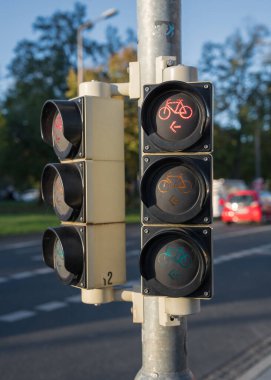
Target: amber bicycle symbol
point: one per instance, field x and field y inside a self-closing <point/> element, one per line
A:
<point x="176" y="107"/>
<point x="175" y="182"/>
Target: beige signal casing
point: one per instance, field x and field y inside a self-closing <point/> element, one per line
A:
<point x="103" y="129"/>
<point x="104" y="191"/>
<point x="106" y="260"/>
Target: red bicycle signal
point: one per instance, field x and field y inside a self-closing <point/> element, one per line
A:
<point x="176" y="107"/>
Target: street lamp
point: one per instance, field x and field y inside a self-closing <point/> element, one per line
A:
<point x="88" y="25"/>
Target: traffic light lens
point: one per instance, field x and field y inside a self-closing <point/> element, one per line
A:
<point x="177" y="190"/>
<point x="177" y="116"/>
<point x="59" y="203"/>
<point x="176" y="264"/>
<point x="63" y="273"/>
<point x="62" y="127"/>
<point x="59" y="141"/>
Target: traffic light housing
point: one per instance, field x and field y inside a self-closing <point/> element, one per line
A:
<point x="176" y="189"/>
<point x="86" y="190"/>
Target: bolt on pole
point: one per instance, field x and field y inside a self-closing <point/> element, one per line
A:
<point x="164" y="353"/>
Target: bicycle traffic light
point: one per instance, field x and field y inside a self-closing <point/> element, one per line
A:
<point x="86" y="190"/>
<point x="176" y="189"/>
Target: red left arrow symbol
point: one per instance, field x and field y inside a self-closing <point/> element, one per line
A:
<point x="173" y="127"/>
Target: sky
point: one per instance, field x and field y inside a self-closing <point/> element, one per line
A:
<point x="201" y="21"/>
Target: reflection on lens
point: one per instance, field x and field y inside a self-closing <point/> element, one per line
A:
<point x="59" y="260"/>
<point x="59" y="141"/>
<point x="176" y="264"/>
<point x="59" y="203"/>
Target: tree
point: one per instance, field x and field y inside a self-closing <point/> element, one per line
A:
<point x="235" y="68"/>
<point x="39" y="71"/>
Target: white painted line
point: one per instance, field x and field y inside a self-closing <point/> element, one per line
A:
<point x="74" y="299"/>
<point x="133" y="252"/>
<point x="26" y="274"/>
<point x="263" y="249"/>
<point x="22" y="275"/>
<point x="21" y="245"/>
<point x="37" y="258"/>
<point x="253" y="230"/>
<point x="50" y="306"/>
<point x="17" y="316"/>
<point x="45" y="270"/>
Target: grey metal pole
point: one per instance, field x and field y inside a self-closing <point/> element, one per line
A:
<point x="79" y="56"/>
<point x="164" y="353"/>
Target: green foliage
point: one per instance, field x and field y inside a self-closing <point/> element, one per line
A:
<point x="39" y="71"/>
<point x="241" y="75"/>
<point x="45" y="68"/>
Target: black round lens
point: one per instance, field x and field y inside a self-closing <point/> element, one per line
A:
<point x="176" y="264"/>
<point x="173" y="263"/>
<point x="177" y="190"/>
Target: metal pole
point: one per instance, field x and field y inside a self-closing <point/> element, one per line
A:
<point x="164" y="354"/>
<point x="79" y="56"/>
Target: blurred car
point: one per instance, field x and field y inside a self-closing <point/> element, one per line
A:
<point x="247" y="206"/>
<point x="30" y="195"/>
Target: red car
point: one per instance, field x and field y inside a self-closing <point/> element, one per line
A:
<point x="246" y="206"/>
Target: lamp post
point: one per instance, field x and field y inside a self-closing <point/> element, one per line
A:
<point x="88" y="25"/>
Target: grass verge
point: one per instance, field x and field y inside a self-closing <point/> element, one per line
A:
<point x="23" y="218"/>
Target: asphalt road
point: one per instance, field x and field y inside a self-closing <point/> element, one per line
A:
<point x="47" y="333"/>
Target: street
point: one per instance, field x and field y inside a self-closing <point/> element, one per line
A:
<point x="47" y="333"/>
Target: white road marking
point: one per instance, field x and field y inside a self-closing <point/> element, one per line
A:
<point x="37" y="258"/>
<point x="17" y="316"/>
<point x="133" y="252"/>
<point x="249" y="231"/>
<point x="21" y="275"/>
<point x="260" y="250"/>
<point x="45" y="270"/>
<point x="16" y="246"/>
<point x="26" y="274"/>
<point x="51" y="306"/>
<point x="74" y="299"/>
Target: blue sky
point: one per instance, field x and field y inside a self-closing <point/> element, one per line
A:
<point x="202" y="21"/>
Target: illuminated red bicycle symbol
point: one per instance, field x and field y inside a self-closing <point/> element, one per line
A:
<point x="176" y="107"/>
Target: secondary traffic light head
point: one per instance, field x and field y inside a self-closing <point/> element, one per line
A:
<point x="86" y="190"/>
<point x="176" y="189"/>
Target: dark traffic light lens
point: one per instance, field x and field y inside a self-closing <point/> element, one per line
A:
<point x="177" y="116"/>
<point x="63" y="251"/>
<point x="176" y="264"/>
<point x="174" y="190"/>
<point x="59" y="261"/>
<point x="61" y="207"/>
<point x="62" y="187"/>
<point x="59" y="141"/>
<point x="173" y="263"/>
<point x="177" y="190"/>
<point x="62" y="127"/>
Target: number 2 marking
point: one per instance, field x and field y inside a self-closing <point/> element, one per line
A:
<point x="107" y="281"/>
